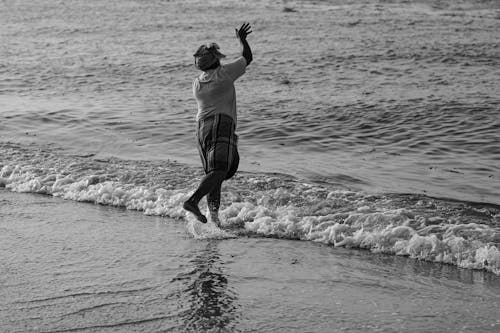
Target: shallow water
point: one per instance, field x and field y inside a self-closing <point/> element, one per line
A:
<point x="270" y="205"/>
<point x="86" y="268"/>
<point x="384" y="96"/>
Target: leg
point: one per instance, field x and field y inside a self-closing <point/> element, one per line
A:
<point x="234" y="165"/>
<point x="215" y="140"/>
<point x="213" y="201"/>
<point x="210" y="182"/>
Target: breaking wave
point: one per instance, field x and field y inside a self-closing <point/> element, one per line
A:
<point x="460" y="233"/>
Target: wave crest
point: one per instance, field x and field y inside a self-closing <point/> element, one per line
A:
<point x="279" y="206"/>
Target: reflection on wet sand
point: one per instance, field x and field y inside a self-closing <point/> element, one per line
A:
<point x="207" y="303"/>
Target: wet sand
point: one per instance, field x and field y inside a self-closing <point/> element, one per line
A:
<point x="76" y="267"/>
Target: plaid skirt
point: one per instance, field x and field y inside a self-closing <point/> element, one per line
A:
<point x="217" y="144"/>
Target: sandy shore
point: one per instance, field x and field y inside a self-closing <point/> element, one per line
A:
<point x="75" y="267"/>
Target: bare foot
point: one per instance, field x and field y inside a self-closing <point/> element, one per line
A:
<point x="193" y="208"/>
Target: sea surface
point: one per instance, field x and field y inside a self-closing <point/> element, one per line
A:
<point x="368" y="126"/>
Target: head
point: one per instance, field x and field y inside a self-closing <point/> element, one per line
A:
<point x="207" y="57"/>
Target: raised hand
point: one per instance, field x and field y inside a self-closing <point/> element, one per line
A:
<point x="243" y="31"/>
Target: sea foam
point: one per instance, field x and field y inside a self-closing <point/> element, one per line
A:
<point x="266" y="205"/>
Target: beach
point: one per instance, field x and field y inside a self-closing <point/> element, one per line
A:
<point x="368" y="193"/>
<point x="91" y="268"/>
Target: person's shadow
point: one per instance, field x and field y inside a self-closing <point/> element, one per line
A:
<point x="208" y="305"/>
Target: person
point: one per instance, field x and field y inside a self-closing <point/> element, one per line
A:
<point x="216" y="121"/>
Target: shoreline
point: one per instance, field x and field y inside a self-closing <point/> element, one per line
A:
<point x="271" y="205"/>
<point x="74" y="267"/>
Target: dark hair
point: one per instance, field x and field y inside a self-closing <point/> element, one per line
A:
<point x="214" y="65"/>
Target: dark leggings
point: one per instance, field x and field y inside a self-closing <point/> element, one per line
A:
<point x="211" y="184"/>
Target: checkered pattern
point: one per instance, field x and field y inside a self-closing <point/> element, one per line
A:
<point x="217" y="144"/>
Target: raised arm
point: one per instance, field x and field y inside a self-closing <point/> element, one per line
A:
<point x="242" y="34"/>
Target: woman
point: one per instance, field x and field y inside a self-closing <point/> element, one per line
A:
<point x="217" y="142"/>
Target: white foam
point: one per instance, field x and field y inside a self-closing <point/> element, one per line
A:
<point x="206" y="230"/>
<point x="380" y="231"/>
<point x="272" y="207"/>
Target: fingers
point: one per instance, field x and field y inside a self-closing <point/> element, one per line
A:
<point x="245" y="27"/>
<point x="243" y="31"/>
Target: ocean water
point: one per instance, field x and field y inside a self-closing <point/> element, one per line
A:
<point x="383" y="96"/>
<point x="363" y="125"/>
